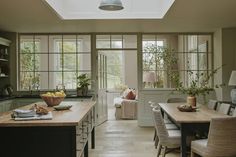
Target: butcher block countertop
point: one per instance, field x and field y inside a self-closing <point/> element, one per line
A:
<point x="71" y="117"/>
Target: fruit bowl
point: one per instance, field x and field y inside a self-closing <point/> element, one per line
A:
<point x="53" y="99"/>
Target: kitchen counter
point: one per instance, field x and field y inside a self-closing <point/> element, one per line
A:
<point x="3" y="98"/>
<point x="65" y="135"/>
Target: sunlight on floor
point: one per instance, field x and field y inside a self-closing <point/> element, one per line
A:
<point x="123" y="138"/>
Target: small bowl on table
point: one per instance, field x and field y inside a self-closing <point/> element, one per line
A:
<point x="52" y="100"/>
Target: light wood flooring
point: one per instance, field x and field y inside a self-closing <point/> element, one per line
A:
<point x="123" y="138"/>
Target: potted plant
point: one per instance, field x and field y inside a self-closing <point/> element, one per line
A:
<point x="83" y="81"/>
<point x="199" y="85"/>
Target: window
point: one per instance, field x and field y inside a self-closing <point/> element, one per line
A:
<point x="192" y="52"/>
<point x="113" y="51"/>
<point x="47" y="61"/>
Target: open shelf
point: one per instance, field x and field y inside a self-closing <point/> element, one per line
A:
<point x="3" y="60"/>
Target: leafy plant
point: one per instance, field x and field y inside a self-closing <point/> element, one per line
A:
<point x="83" y="81"/>
<point x="199" y="83"/>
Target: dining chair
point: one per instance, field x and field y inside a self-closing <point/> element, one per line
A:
<point x="168" y="139"/>
<point x="221" y="140"/>
<point x="175" y="100"/>
<point x="212" y="104"/>
<point x="169" y="125"/>
<point x="224" y="108"/>
<point x="234" y="113"/>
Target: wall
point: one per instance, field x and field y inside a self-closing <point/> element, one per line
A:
<point x="228" y="58"/>
<point x="218" y="62"/>
<point x="130" y="69"/>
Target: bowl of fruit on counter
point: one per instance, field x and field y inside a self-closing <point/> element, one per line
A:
<point x="53" y="98"/>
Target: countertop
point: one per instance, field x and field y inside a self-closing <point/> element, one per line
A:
<point x="3" y="98"/>
<point x="71" y="117"/>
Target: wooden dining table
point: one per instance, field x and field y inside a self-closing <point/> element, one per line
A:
<point x="189" y="122"/>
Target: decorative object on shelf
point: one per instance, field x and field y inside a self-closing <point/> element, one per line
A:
<point x="83" y="82"/>
<point x="111" y="5"/>
<point x="232" y="82"/>
<point x="53" y="99"/>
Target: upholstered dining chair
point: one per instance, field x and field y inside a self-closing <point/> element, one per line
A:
<point x="175" y="100"/>
<point x="234" y="113"/>
<point x="168" y="139"/>
<point x="221" y="140"/>
<point x="212" y="104"/>
<point x="169" y="125"/>
<point x="224" y="108"/>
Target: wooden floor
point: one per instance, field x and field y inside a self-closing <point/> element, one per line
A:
<point x="124" y="138"/>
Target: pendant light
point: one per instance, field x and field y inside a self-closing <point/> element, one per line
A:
<point x="111" y="5"/>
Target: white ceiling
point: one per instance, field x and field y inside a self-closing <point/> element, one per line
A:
<point x="183" y="16"/>
<point x="88" y="9"/>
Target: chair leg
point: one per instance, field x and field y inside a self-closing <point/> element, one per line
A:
<point x="156" y="141"/>
<point x="155" y="134"/>
<point x="164" y="152"/>
<point x="159" y="149"/>
<point x="192" y="154"/>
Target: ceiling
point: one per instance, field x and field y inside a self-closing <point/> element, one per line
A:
<point x="183" y="16"/>
<point x="88" y="9"/>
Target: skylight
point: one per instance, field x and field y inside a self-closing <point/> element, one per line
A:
<point x="88" y="9"/>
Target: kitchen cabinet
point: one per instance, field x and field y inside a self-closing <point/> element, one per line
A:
<point x="66" y="134"/>
<point x="6" y="105"/>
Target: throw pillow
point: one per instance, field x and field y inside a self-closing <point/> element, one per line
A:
<point x="131" y="95"/>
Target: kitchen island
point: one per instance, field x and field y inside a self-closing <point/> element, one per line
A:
<point x="66" y="135"/>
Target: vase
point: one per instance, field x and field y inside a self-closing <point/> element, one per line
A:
<point x="192" y="101"/>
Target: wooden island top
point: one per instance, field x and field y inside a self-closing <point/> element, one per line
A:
<point x="71" y="117"/>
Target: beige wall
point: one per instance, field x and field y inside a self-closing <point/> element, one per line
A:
<point x="228" y="58"/>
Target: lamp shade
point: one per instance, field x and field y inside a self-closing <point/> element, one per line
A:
<point x="232" y="80"/>
<point x="111" y="5"/>
<point x="149" y="77"/>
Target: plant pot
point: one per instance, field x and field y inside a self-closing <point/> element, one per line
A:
<point x="192" y="101"/>
<point x="82" y="91"/>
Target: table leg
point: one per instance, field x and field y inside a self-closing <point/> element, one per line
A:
<point x="86" y="149"/>
<point x="183" y="140"/>
<point x="93" y="138"/>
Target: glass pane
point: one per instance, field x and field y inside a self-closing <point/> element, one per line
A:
<point x="103" y="41"/>
<point x="26" y="44"/>
<point x="69" y="43"/>
<point x="204" y="43"/>
<point x="130" y="41"/>
<point x="153" y="79"/>
<point x="192" y="61"/>
<point x="43" y="80"/>
<point x="148" y="40"/>
<point x="26" y="79"/>
<point x="55" y="43"/>
<point x="26" y="62"/>
<point x="116" y="41"/>
<point x="55" y="62"/>
<point x="84" y="43"/>
<point x="203" y="61"/>
<point x="55" y="79"/>
<point x="153" y="61"/>
<point x="192" y="41"/>
<point x="41" y="62"/>
<point x="69" y="62"/>
<point x="84" y="61"/>
<point x="41" y="44"/>
<point x="70" y="80"/>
